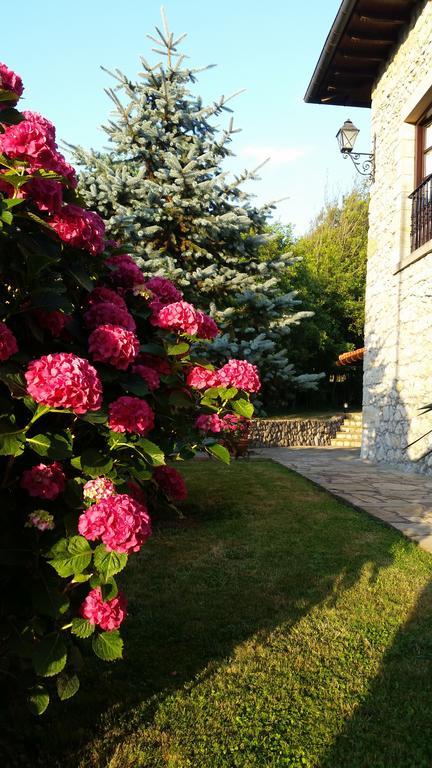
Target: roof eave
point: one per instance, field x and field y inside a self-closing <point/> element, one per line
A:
<point x="327" y="53"/>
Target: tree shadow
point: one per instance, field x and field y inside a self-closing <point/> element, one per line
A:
<point x="199" y="591"/>
<point x="395" y="717"/>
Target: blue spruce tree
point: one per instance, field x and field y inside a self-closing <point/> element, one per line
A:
<point x="161" y="187"/>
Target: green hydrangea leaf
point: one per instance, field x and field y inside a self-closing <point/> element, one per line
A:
<point x="39" y="444"/>
<point x="178" y="349"/>
<point x="152" y="450"/>
<point x="109" y="589"/>
<point x="108" y="645"/>
<point x="67" y="686"/>
<point x="82" y="627"/>
<point x="81" y="578"/>
<point x="54" y="446"/>
<point x="14" y="381"/>
<point x="136" y="386"/>
<point x="70" y="556"/>
<point x="50" y="655"/>
<point x="47" y="599"/>
<point x="220" y="452"/>
<point x="82" y="277"/>
<point x="12" y="443"/>
<point x="38" y="699"/>
<point x="243" y="407"/>
<point x="153" y="349"/>
<point x="108" y="563"/>
<point x="94" y="463"/>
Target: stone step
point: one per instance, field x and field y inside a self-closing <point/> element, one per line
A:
<point x="349" y="433"/>
<point x="354" y="417"/>
<point x="336" y="443"/>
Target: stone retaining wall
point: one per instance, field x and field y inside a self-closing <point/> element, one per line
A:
<point x="291" y="432"/>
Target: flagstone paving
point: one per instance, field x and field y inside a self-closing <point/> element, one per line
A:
<point x="398" y="499"/>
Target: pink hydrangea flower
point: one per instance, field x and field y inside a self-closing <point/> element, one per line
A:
<point x="59" y="165"/>
<point x="10" y="81"/>
<point x="44" y="123"/>
<point x="130" y="414"/>
<point x="41" y="520"/>
<point x="102" y="295"/>
<point x="30" y="141"/>
<point x="159" y="364"/>
<point x="98" y="489"/>
<point x="207" y="328"/>
<point x="53" y="321"/>
<point x="164" y="290"/>
<point x="171" y="482"/>
<point x="114" y="345"/>
<point x="107" y="614"/>
<point x="201" y="378"/>
<point x="120" y="522"/>
<point x="63" y="380"/>
<point x="180" y="316"/>
<point x="125" y="273"/>
<point x="150" y="376"/>
<point x="8" y="343"/>
<point x="240" y="374"/>
<point x="231" y="422"/>
<point x="47" y="194"/>
<point x="80" y="228"/>
<point x="33" y="140"/>
<point x="105" y="313"/>
<point x="46" y="481"/>
<point x="209" y="422"/>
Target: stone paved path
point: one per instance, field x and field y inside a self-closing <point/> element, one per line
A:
<point x="401" y="500"/>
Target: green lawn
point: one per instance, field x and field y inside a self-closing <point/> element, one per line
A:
<point x="307" y="414"/>
<point x="274" y="627"/>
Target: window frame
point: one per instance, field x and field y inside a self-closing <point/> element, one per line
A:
<point x="420" y="149"/>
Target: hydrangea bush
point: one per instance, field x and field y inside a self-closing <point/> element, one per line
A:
<point x="98" y="390"/>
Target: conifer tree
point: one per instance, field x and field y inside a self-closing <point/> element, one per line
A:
<point x="161" y="186"/>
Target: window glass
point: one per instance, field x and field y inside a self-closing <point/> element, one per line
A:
<point x="428" y="136"/>
<point x="428" y="163"/>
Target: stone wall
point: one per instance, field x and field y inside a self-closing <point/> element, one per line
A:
<point x="291" y="432"/>
<point x="398" y="333"/>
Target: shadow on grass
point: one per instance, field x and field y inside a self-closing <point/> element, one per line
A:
<point x="391" y="727"/>
<point x="264" y="548"/>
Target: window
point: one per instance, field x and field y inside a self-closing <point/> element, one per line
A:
<point x="421" y="212"/>
<point x="424" y="147"/>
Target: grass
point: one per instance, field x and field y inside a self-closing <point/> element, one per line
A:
<point x="308" y="414"/>
<point x="275" y="627"/>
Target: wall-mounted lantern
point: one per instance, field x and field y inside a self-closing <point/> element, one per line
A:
<point x="346" y="138"/>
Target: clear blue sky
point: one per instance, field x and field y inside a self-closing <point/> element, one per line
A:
<point x="269" y="48"/>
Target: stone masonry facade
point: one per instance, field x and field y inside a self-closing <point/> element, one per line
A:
<point x="398" y="332"/>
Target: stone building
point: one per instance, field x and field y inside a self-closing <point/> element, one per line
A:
<point x="378" y="54"/>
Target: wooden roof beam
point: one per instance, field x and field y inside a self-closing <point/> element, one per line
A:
<point x="341" y="71"/>
<point x="361" y="56"/>
<point x="373" y="39"/>
<point x="383" y="18"/>
<point x="367" y="20"/>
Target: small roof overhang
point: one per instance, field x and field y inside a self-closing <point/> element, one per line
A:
<point x="351" y="358"/>
<point x="361" y="40"/>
